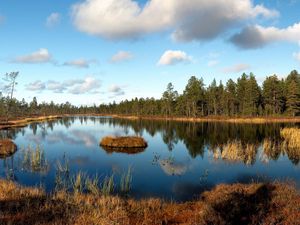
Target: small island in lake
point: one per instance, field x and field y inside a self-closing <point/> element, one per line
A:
<point x="130" y="145"/>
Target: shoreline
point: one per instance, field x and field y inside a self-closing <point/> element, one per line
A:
<point x="246" y="120"/>
<point x="249" y="120"/>
<point x="25" y="121"/>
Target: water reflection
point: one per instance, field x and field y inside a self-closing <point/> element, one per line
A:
<point x="171" y="165"/>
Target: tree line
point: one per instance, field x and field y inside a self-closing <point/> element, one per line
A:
<point x="243" y="97"/>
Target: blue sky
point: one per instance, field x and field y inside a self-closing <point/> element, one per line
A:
<point x="98" y="51"/>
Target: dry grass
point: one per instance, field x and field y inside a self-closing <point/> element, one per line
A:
<point x="257" y="203"/>
<point x="235" y="151"/>
<point x="123" y="142"/>
<point x="25" y="121"/>
<point x="7" y="148"/>
<point x="223" y="119"/>
<point x="292" y="137"/>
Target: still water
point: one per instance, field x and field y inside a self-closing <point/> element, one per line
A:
<point x="182" y="159"/>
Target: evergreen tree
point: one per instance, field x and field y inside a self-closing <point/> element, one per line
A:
<point x="273" y="95"/>
<point x="293" y="93"/>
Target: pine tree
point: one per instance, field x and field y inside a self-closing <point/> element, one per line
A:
<point x="293" y="93"/>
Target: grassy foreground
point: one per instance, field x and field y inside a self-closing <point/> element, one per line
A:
<point x="257" y="203"/>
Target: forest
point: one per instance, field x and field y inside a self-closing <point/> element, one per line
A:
<point x="243" y="97"/>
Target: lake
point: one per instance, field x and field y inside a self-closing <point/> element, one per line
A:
<point x="182" y="159"/>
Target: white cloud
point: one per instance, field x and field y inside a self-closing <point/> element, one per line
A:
<point x="36" y="86"/>
<point x="79" y="63"/>
<point x="56" y="86"/>
<point x="297" y="56"/>
<point x="40" y="56"/>
<point x="171" y="57"/>
<point x="212" y="63"/>
<point x="188" y="20"/>
<point x="258" y="36"/>
<point x="236" y="68"/>
<point x="121" y="56"/>
<point x="116" y="90"/>
<point x="53" y="19"/>
<point x="88" y="85"/>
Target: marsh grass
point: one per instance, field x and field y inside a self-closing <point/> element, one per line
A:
<point x="126" y="180"/>
<point x="235" y="151"/>
<point x="34" y="160"/>
<point x="81" y="182"/>
<point x="7" y="148"/>
<point x="255" y="203"/>
<point x="292" y="137"/>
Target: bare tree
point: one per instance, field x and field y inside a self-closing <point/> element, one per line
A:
<point x="10" y="79"/>
<point x="9" y="88"/>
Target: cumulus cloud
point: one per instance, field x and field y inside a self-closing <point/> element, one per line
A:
<point x="236" y="68"/>
<point x="121" y="56"/>
<point x="53" y="19"/>
<point x="297" y="56"/>
<point x="116" y="90"/>
<point x="79" y="63"/>
<point x="76" y="86"/>
<point x="88" y="85"/>
<point x="40" y="56"/>
<point x="36" y="86"/>
<point x="192" y="20"/>
<point x="171" y="57"/>
<point x="256" y="36"/>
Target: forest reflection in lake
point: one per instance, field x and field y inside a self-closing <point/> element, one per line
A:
<point x="181" y="160"/>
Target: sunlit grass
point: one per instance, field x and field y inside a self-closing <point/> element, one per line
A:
<point x="34" y="160"/>
<point x="235" y="151"/>
<point x="292" y="137"/>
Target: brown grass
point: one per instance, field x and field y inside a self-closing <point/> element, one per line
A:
<point x="257" y="203"/>
<point x="25" y="121"/>
<point x="123" y="142"/>
<point x="235" y="151"/>
<point x="7" y="148"/>
<point x="292" y="137"/>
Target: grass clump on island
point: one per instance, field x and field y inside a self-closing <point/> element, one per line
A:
<point x="7" y="148"/>
<point x="256" y="203"/>
<point x="130" y="144"/>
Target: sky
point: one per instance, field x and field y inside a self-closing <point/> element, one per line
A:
<point x="99" y="51"/>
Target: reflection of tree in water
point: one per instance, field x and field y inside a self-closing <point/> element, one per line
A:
<point x="196" y="136"/>
<point x="169" y="136"/>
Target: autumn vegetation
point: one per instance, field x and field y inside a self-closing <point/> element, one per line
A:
<point x="7" y="148"/>
<point x="257" y="203"/>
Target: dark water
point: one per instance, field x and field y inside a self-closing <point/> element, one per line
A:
<point x="181" y="161"/>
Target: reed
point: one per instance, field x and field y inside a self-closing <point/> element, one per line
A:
<point x="126" y="180"/>
<point x="292" y="137"/>
<point x="34" y="160"/>
<point x="235" y="151"/>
